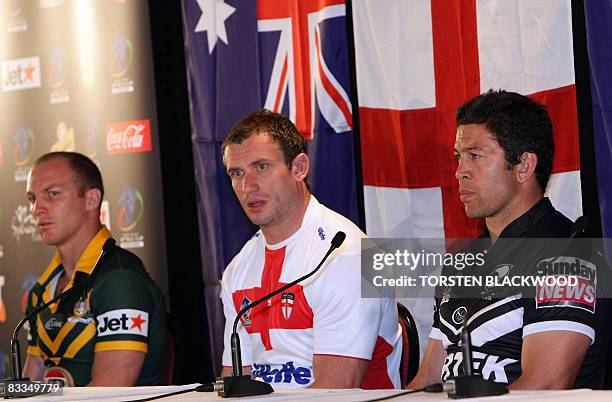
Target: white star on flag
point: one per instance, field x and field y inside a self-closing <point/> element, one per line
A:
<point x="214" y="14"/>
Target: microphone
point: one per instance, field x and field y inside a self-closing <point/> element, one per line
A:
<point x="239" y="385"/>
<point x="15" y="348"/>
<point x="579" y="228"/>
<point x="471" y="385"/>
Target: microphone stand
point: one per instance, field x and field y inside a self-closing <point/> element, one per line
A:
<point x="238" y="385"/>
<point x="470" y="385"/>
<point x="15" y="347"/>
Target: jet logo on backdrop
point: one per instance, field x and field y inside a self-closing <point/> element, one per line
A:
<point x="20" y="74"/>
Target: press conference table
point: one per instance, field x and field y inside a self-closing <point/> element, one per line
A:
<point x="127" y="394"/>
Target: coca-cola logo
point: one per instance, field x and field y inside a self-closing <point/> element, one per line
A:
<point x="131" y="137"/>
<point x="128" y="136"/>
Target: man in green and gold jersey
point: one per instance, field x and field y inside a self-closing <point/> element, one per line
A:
<point x="110" y="330"/>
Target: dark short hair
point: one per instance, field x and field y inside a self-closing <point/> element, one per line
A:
<point x="518" y="123"/>
<point x="278" y="127"/>
<point x="87" y="174"/>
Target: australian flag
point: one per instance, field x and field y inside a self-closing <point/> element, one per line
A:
<point x="289" y="56"/>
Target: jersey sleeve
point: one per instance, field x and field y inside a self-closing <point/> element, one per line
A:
<point x="563" y="306"/>
<point x="230" y="313"/>
<point x="436" y="333"/>
<point x="123" y="303"/>
<point x="344" y="323"/>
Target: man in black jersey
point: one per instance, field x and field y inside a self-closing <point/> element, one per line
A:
<point x="504" y="148"/>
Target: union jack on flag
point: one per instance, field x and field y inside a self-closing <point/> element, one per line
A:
<point x="300" y="72"/>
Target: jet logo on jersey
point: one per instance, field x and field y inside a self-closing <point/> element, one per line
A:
<point x="123" y="322"/>
<point x="287" y="300"/>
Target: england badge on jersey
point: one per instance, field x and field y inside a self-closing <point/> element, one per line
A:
<point x="287" y="304"/>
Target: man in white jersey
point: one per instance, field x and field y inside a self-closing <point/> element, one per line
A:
<point x="319" y="333"/>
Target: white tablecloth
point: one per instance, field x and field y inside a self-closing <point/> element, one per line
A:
<point x="126" y="394"/>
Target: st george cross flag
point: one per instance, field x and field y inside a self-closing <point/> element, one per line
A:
<point x="417" y="61"/>
<point x="289" y="56"/>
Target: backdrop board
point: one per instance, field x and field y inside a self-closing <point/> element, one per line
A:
<point x="76" y="76"/>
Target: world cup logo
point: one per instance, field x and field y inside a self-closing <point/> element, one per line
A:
<point x="121" y="56"/>
<point x="23" y="146"/>
<point x="65" y="138"/>
<point x="27" y="285"/>
<point x="91" y="138"/>
<point x="56" y="72"/>
<point x="131" y="207"/>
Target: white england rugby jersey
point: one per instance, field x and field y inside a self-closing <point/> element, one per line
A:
<point x="323" y="315"/>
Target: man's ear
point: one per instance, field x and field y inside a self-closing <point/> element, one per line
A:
<point x="526" y="167"/>
<point x="93" y="197"/>
<point x="300" y="166"/>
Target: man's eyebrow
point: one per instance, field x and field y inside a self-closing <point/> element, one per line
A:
<point x="50" y="186"/>
<point x="44" y="190"/>
<point x="472" y="148"/>
<point x="258" y="161"/>
<point x="230" y="169"/>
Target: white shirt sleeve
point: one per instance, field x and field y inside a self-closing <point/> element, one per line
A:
<point x="345" y="324"/>
<point x="229" y="310"/>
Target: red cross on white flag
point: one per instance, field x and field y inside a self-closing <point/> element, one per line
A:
<point x="417" y="61"/>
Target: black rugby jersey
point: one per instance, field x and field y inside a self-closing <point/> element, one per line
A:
<point x="500" y="317"/>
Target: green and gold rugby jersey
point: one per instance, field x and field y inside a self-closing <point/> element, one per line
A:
<point x="117" y="306"/>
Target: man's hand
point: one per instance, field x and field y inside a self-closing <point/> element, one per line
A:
<point x="116" y="368"/>
<point x="338" y="371"/>
<point x="34" y="368"/>
<point x="430" y="370"/>
<point x="550" y="364"/>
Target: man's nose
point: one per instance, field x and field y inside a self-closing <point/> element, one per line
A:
<point x="249" y="183"/>
<point x="36" y="207"/>
<point x="463" y="171"/>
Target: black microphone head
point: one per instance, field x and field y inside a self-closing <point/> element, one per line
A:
<point x="579" y="228"/>
<point x="338" y="239"/>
